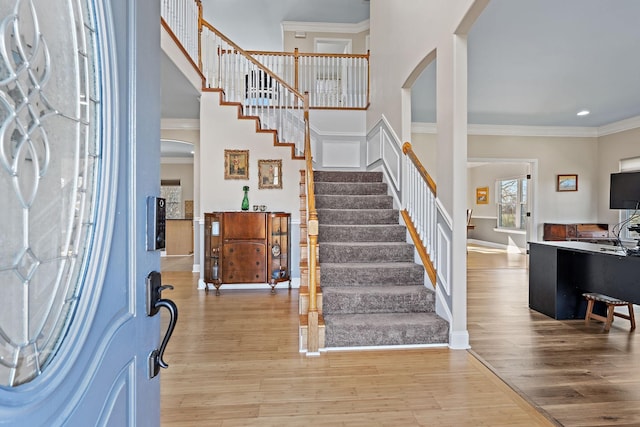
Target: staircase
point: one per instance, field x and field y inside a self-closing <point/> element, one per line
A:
<point x="373" y="294"/>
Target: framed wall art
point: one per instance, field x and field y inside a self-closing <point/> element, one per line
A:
<point x="269" y="173"/>
<point x="567" y="183"/>
<point x="482" y="195"/>
<point x="236" y="164"/>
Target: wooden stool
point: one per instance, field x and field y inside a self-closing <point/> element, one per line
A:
<point x="611" y="304"/>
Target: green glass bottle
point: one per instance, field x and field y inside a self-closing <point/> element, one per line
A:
<point x="245" y="199"/>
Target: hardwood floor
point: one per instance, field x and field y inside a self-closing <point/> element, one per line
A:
<point x="578" y="374"/>
<point x="233" y="361"/>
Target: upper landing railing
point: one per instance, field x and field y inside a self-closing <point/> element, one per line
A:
<point x="334" y="81"/>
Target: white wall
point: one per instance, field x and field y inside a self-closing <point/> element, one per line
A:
<point x="425" y="145"/>
<point x="307" y="44"/>
<point x="338" y="139"/>
<point x="222" y="130"/>
<point x="555" y="155"/>
<point x="402" y="35"/>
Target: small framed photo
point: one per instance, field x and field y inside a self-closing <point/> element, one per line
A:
<point x="482" y="195"/>
<point x="269" y="173"/>
<point x="567" y="183"/>
<point x="236" y="164"/>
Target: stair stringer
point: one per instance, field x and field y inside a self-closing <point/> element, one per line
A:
<point x="256" y="119"/>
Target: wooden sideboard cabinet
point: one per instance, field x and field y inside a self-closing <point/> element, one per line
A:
<point x="247" y="247"/>
<point x="588" y="232"/>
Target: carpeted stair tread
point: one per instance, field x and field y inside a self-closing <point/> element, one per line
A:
<point x="358" y="216"/>
<point x="351" y="188"/>
<point x="371" y="274"/>
<point x="353" y="330"/>
<point x="383" y="299"/>
<point x="329" y="176"/>
<point x="365" y="252"/>
<point x="334" y="201"/>
<point x="362" y="233"/>
<point x="373" y="293"/>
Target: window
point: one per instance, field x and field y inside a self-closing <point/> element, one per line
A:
<point x="512" y="203"/>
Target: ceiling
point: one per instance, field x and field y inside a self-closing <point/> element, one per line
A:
<point x="531" y="63"/>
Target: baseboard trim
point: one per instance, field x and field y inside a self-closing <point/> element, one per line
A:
<point x="384" y="347"/>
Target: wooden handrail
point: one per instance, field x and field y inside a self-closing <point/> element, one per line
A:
<point x="252" y="59"/>
<point x="408" y="151"/>
<point x="298" y="53"/>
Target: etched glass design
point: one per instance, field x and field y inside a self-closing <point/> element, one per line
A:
<point x="49" y="164"/>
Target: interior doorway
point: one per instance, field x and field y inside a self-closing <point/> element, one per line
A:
<point x="485" y="174"/>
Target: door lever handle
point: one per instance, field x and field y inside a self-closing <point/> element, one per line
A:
<point x="154" y="303"/>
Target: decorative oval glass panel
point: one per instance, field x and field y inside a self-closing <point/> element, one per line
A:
<point x="49" y="164"/>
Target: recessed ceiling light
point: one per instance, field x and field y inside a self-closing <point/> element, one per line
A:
<point x="583" y="112"/>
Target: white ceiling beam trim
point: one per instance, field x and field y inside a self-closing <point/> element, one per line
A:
<point x="326" y="27"/>
<point x="555" y="131"/>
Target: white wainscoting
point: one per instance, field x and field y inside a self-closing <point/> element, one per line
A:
<point x="341" y="153"/>
<point x="443" y="261"/>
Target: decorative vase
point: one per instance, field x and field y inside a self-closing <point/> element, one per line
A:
<point x="245" y="199"/>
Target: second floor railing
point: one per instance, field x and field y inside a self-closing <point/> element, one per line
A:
<point x="332" y="80"/>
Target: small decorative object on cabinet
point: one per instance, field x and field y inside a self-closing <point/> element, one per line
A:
<point x="245" y="199"/>
<point x="212" y="245"/>
<point x="280" y="249"/>
<point x="247" y="247"/>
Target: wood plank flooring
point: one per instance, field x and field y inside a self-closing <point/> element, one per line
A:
<point x="233" y="361"/>
<point x="580" y="375"/>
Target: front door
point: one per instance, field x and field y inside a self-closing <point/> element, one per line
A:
<point x="79" y="154"/>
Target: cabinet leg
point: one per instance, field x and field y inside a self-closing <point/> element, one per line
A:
<point x="217" y="284"/>
<point x="273" y="284"/>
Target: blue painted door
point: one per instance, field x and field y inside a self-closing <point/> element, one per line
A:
<point x="79" y="154"/>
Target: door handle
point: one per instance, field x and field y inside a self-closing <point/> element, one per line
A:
<point x="154" y="303"/>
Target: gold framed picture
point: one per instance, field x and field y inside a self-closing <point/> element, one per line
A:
<point x="236" y="164"/>
<point x="482" y="195"/>
<point x="567" y="182"/>
<point x="269" y="173"/>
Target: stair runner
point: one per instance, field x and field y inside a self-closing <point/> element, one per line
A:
<point x="373" y="293"/>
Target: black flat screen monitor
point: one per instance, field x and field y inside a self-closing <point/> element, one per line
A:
<point x="625" y="190"/>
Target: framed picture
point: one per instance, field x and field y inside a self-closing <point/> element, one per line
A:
<point x="482" y="195"/>
<point x="567" y="183"/>
<point x="269" y="173"/>
<point x="236" y="164"/>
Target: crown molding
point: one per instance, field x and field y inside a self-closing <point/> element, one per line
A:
<point x="180" y="124"/>
<point x="621" y="126"/>
<point x="325" y="27"/>
<point x="554" y="131"/>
